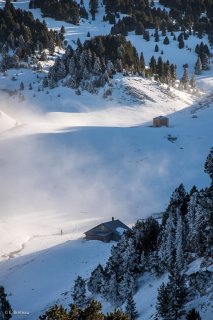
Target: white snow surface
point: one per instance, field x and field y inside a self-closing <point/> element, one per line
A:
<point x="69" y="162"/>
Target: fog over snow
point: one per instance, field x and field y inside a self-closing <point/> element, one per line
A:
<point x="69" y="162"/>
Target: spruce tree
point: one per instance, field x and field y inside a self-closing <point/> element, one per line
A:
<point x="209" y="164"/>
<point x="156" y="48"/>
<point x="185" y="78"/>
<point x="205" y="62"/>
<point x="193" y="81"/>
<point x="178" y="294"/>
<point x="51" y="46"/>
<point x="193" y="315"/>
<point x="131" y="308"/>
<point x="93" y="4"/>
<point x="142" y="62"/>
<point x="166" y="40"/>
<point x="198" y="66"/>
<point x="79" y="292"/>
<point x="92" y="312"/>
<point x="55" y="312"/>
<point x="21" y="86"/>
<point x="95" y="281"/>
<point x="163" y="300"/>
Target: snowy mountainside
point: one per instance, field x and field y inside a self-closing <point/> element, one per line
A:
<point x="6" y="122"/>
<point x="69" y="162"/>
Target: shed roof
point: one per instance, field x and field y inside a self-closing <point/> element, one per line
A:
<point x="111" y="226"/>
<point x="161" y="117"/>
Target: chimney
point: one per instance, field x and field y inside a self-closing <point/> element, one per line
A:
<point x="113" y="218"/>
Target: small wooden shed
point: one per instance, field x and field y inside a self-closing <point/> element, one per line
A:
<point x="161" y="121"/>
<point x="107" y="231"/>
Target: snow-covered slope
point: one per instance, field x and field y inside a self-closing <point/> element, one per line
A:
<point x="6" y="122"/>
<point x="39" y="280"/>
<point x="73" y="161"/>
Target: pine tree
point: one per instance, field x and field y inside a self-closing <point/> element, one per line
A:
<point x="179" y="244"/>
<point x="52" y="83"/>
<point x="181" y="44"/>
<point x="205" y="62"/>
<point x="93" y="4"/>
<point x="193" y="315"/>
<point x="95" y="281"/>
<point x="45" y="82"/>
<point x="21" y="86"/>
<point x="79" y="293"/>
<point x="5" y="308"/>
<point x="142" y="62"/>
<point x="60" y="70"/>
<point x="178" y="293"/>
<point x="153" y="66"/>
<point x="127" y="286"/>
<point x="166" y="40"/>
<point x="97" y="66"/>
<point x="75" y="312"/>
<point x="163" y="300"/>
<point x="110" y="289"/>
<point x="55" y="312"/>
<point x="92" y="312"/>
<point x="62" y="31"/>
<point x="131" y="308"/>
<point x="51" y="47"/>
<point x="72" y="66"/>
<point x="116" y="315"/>
<point x="156" y="35"/>
<point x="177" y="208"/>
<point x="193" y="81"/>
<point x="156" y="48"/>
<point x="173" y="74"/>
<point x="185" y="78"/>
<point x="198" y="66"/>
<point x="209" y="164"/>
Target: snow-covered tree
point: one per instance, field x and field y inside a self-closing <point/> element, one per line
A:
<point x="205" y="62"/>
<point x="193" y="81"/>
<point x="110" y="289"/>
<point x="79" y="293"/>
<point x="172" y="297"/>
<point x="127" y="285"/>
<point x="72" y="66"/>
<point x="45" y="82"/>
<point x="209" y="164"/>
<point x="185" y="78"/>
<point x="97" y="66"/>
<point x="178" y="294"/>
<point x="51" y="46"/>
<point x="96" y="279"/>
<point x="61" y="70"/>
<point x="179" y="244"/>
<point x="198" y="66"/>
<point x="52" y="83"/>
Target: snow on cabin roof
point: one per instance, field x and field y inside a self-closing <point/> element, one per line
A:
<point x="120" y="230"/>
<point x="161" y="117"/>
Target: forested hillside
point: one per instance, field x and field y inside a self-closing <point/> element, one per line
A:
<point x="185" y="235"/>
<point x="22" y="34"/>
<point x="66" y="10"/>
